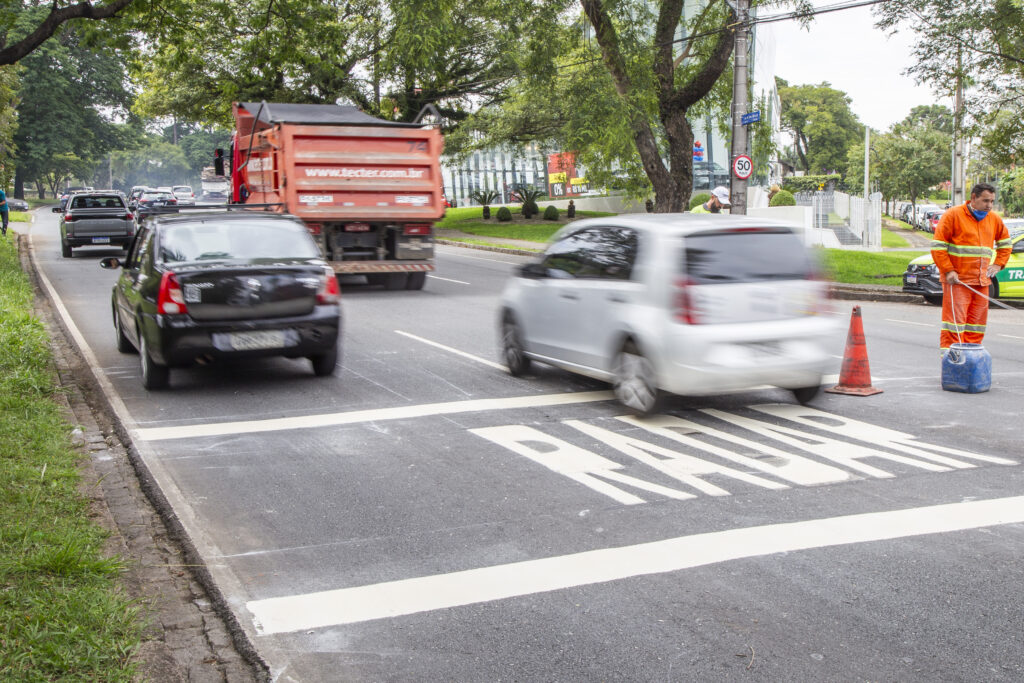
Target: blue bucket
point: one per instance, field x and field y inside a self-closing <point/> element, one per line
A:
<point x="967" y="368"/>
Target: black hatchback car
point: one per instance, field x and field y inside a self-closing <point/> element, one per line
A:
<point x="204" y="286"/>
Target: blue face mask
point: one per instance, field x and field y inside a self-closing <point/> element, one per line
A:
<point x="978" y="215"/>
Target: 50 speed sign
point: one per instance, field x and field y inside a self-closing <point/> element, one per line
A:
<point x="742" y="167"/>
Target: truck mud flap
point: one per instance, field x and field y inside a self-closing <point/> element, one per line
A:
<point x="361" y="267"/>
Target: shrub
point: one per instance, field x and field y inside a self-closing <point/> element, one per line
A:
<point x="504" y="215"/>
<point x="529" y="209"/>
<point x="783" y="198"/>
<point x="810" y="183"/>
<point x="551" y="213"/>
<point x="699" y="199"/>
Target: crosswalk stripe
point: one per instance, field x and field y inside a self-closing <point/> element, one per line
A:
<point x="485" y="584"/>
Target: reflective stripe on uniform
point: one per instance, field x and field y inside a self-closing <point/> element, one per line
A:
<point x="1004" y="244"/>
<point x="961" y="250"/>
<point x="940" y="245"/>
<point x="960" y="328"/>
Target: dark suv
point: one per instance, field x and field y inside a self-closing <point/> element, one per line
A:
<point x="95" y="218"/>
<point x="204" y="286"/>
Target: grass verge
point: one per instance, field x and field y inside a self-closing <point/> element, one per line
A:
<point x="62" y="614"/>
<point x="891" y="239"/>
<point x="867" y="268"/>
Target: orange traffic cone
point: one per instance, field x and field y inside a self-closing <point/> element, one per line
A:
<point x="855" y="377"/>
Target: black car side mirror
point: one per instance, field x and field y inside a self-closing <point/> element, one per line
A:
<point x="110" y="263"/>
<point x="534" y="271"/>
<point x="56" y="209"/>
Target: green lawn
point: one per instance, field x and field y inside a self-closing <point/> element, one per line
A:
<point x="867" y="268"/>
<point x="62" y="613"/>
<point x="891" y="239"/>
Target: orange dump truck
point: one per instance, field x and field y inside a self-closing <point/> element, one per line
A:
<point x="369" y="190"/>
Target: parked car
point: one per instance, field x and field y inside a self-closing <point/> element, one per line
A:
<point x="184" y="195"/>
<point x="920" y="211"/>
<point x="922" y="275"/>
<point x="14" y="204"/>
<point x="95" y="218"/>
<point x="682" y="303"/>
<point x="154" y="201"/>
<point x="931" y="220"/>
<point x="207" y="286"/>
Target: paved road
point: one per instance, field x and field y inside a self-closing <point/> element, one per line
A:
<point x="422" y="515"/>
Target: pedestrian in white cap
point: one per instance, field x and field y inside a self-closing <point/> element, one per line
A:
<point x="719" y="198"/>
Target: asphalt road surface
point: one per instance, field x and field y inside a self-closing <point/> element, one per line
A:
<point x="422" y="515"/>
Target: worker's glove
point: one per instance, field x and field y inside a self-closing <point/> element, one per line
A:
<point x="993" y="269"/>
<point x="952" y="278"/>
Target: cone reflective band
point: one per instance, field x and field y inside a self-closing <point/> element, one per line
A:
<point x="855" y="376"/>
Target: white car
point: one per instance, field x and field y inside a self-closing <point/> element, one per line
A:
<point x="184" y="195"/>
<point x="678" y="303"/>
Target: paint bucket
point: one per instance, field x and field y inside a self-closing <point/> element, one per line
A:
<point x="967" y="368"/>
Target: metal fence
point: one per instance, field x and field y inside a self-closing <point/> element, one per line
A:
<point x="857" y="223"/>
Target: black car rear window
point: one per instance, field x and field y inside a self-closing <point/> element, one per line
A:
<point x="236" y="240"/>
<point x="746" y="255"/>
<point x="98" y="202"/>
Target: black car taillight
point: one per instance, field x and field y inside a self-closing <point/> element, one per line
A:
<point x="170" y="300"/>
<point x="330" y="292"/>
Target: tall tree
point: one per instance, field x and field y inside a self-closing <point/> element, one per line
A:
<point x="8" y="123"/>
<point x="18" y="39"/>
<point x="821" y="123"/>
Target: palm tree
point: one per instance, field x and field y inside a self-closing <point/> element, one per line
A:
<point x="484" y="198"/>
<point x="528" y="195"/>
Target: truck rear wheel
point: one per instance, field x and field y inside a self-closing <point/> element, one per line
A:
<point x="416" y="281"/>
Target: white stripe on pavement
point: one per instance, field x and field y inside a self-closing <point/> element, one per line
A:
<point x="374" y="415"/>
<point x="426" y="593"/>
<point x="910" y="322"/>
<point x="457" y="352"/>
<point x="437" y="277"/>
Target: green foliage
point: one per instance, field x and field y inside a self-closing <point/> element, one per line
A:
<point x="868" y="268"/>
<point x="822" y="125"/>
<point x="504" y="215"/>
<point x="62" y="616"/>
<point x="783" y="198"/>
<point x="158" y="163"/>
<point x="529" y="209"/>
<point x="467" y="215"/>
<point x="699" y="198"/>
<point x="8" y="122"/>
<point x="1011" y="191"/>
<point x="810" y="183"/>
<point x="484" y="197"/>
<point x="551" y="213"/>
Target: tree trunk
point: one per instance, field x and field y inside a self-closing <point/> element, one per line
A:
<point x="19" y="183"/>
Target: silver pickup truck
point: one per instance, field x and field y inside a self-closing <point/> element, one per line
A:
<point x="95" y="218"/>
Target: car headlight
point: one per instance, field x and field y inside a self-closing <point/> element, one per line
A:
<point x="932" y="268"/>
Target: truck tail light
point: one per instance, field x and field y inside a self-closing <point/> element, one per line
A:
<point x="68" y="218"/>
<point x="330" y="292"/>
<point x="416" y="229"/>
<point x="170" y="300"/>
<point x="685" y="310"/>
<point x="129" y="216"/>
<point x="315" y="228"/>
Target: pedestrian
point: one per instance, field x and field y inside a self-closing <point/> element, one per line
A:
<point x="966" y="239"/>
<point x="719" y="198"/>
<point x="4" y="215"/>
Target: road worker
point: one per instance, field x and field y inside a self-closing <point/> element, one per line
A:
<point x="966" y="240"/>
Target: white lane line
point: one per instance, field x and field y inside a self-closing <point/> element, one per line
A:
<point x="458" y="282"/>
<point x="457" y="352"/>
<point x="443" y="591"/>
<point x="374" y="415"/>
<point x="1010" y="336"/>
<point x="910" y="322"/>
<point x="479" y="258"/>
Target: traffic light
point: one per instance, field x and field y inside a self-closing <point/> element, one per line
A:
<point x="218" y="161"/>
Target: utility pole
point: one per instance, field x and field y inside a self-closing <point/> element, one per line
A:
<point x="867" y="157"/>
<point x="956" y="190"/>
<point x="740" y="104"/>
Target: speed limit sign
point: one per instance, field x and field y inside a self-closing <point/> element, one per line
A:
<point x="742" y="167"/>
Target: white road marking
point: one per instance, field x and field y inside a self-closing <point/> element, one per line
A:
<point x="426" y="593"/>
<point x="457" y="352"/>
<point x="358" y="416"/>
<point x="1010" y="336"/>
<point x="455" y="252"/>
<point x="436" y="277"/>
<point x="911" y="322"/>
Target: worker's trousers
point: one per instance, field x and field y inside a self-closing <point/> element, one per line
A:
<point x="964" y="315"/>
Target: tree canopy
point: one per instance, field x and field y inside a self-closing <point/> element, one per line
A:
<point x="821" y="123"/>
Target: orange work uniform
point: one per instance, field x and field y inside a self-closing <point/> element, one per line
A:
<point x="967" y="245"/>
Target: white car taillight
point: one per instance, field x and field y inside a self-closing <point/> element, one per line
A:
<point x="685" y="310"/>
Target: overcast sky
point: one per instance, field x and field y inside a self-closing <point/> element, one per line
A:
<point x="845" y="49"/>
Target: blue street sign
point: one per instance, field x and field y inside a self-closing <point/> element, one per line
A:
<point x="752" y="117"/>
